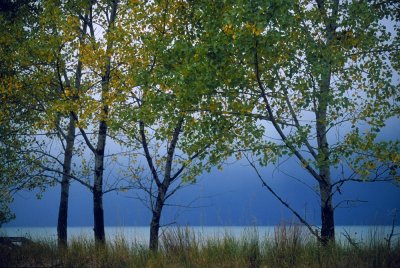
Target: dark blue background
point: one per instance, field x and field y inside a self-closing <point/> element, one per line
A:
<point x="233" y="196"/>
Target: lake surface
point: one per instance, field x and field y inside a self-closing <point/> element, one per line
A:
<point x="140" y="234"/>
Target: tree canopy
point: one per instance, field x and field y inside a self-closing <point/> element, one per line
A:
<point x="188" y="84"/>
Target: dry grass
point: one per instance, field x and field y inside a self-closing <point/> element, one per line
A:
<point x="290" y="247"/>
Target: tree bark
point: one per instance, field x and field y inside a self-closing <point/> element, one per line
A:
<point x="62" y="222"/>
<point x="162" y="188"/>
<point x="325" y="182"/>
<point x="327" y="214"/>
<point x="98" y="212"/>
<point x="155" y="220"/>
<point x="323" y="97"/>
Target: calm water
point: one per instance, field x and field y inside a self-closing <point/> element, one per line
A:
<point x="134" y="234"/>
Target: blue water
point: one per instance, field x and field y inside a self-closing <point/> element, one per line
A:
<point x="140" y="235"/>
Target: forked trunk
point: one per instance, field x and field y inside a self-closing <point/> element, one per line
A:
<point x="162" y="187"/>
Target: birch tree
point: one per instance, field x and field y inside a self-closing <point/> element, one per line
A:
<point x="166" y="114"/>
<point x="67" y="83"/>
<point x="318" y="75"/>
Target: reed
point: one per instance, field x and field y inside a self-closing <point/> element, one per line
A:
<point x="289" y="246"/>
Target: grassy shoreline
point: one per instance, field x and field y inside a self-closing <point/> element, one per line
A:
<point x="289" y="247"/>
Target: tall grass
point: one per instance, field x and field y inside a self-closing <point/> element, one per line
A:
<point x="289" y="246"/>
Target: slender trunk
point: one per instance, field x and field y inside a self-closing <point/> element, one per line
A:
<point x="62" y="222"/>
<point x="63" y="213"/>
<point x="327" y="214"/>
<point x="98" y="213"/>
<point x="155" y="220"/>
<point x="324" y="99"/>
<point x="162" y="187"/>
<point x="325" y="183"/>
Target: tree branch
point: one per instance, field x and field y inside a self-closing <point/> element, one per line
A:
<point x="301" y="219"/>
<point x="149" y="159"/>
<point x="274" y="122"/>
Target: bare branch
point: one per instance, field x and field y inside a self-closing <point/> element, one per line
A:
<point x="301" y="219"/>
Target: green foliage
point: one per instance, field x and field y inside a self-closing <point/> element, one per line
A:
<point x="230" y="74"/>
<point x="162" y="87"/>
<point x="314" y="70"/>
<point x="18" y="169"/>
<point x="291" y="78"/>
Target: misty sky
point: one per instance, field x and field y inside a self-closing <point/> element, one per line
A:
<point x="233" y="196"/>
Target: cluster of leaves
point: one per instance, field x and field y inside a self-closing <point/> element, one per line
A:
<point x="17" y="160"/>
<point x="296" y="54"/>
<point x="215" y="69"/>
